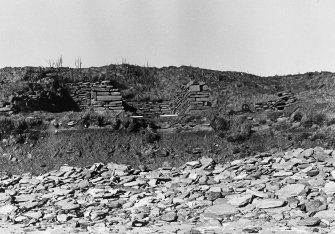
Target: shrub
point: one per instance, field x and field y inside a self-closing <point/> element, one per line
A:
<point x="297" y="117"/>
<point x="20" y="139"/>
<point x="240" y="133"/>
<point x="319" y="119"/>
<point x="274" y="115"/>
<point x="21" y="127"/>
<point x="151" y="137"/>
<point x="117" y="124"/>
<point x="308" y="123"/>
<point x="262" y="121"/>
<point x="245" y="129"/>
<point x="282" y="126"/>
<point x="100" y="120"/>
<point x="302" y="136"/>
<point x="125" y="123"/>
<point x="135" y="125"/>
<point x="86" y="120"/>
<point x="152" y="125"/>
<point x="34" y="122"/>
<point x="221" y="134"/>
<point x="220" y="124"/>
<point x="320" y="136"/>
<point x="236" y="137"/>
<point x="6" y="125"/>
<point x="33" y="135"/>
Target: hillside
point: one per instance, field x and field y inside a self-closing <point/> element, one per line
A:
<point x="43" y="133"/>
<point x="230" y="89"/>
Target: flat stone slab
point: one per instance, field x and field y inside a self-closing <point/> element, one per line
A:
<point x="290" y="190"/>
<point x="268" y="203"/>
<point x="329" y="187"/>
<point x="239" y="201"/>
<point x="222" y="209"/>
<point x="326" y="214"/>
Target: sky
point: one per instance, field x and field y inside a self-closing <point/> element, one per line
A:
<point x="262" y="37"/>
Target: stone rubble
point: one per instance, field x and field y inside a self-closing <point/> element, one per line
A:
<point x="267" y="193"/>
<point x="284" y="99"/>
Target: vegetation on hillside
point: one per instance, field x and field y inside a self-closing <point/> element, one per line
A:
<point x="48" y="140"/>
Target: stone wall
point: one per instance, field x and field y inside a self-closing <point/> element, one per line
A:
<point x="193" y="98"/>
<point x="284" y="99"/>
<point x="151" y="108"/>
<point x="99" y="95"/>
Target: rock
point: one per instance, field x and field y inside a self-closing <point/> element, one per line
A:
<point x="268" y="203"/>
<point x="257" y="193"/>
<point x="221" y="209"/>
<point x="20" y="219"/>
<point x="316" y="182"/>
<point x="33" y="214"/>
<point x="252" y="230"/>
<point x="283" y="173"/>
<point x="68" y="205"/>
<point x="312" y="173"/>
<point x="208" y="226"/>
<point x="239" y="201"/>
<point x="4" y="197"/>
<point x="26" y="197"/>
<point x="329" y="187"/>
<point x="169" y="217"/>
<point x="309" y="221"/>
<point x="199" y="203"/>
<point x="278" y="217"/>
<point x="140" y="223"/>
<point x="290" y="190"/>
<point x="312" y="206"/>
<point x="71" y="123"/>
<point x="326" y="214"/>
<point x="321" y="156"/>
<point x="7" y="209"/>
<point x="62" y="218"/>
<point x="212" y="196"/>
<point x="308" y="152"/>
<point x="277" y="191"/>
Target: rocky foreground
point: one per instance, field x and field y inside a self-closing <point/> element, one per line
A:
<point x="290" y="192"/>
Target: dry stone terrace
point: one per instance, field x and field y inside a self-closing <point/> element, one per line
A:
<point x="99" y="95"/>
<point x="151" y="108"/>
<point x="284" y="192"/>
<point x="194" y="97"/>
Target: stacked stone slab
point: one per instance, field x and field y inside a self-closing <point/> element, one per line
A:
<point x="5" y="107"/>
<point x="99" y="95"/>
<point x="193" y="98"/>
<point x="151" y="108"/>
<point x="284" y="100"/>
